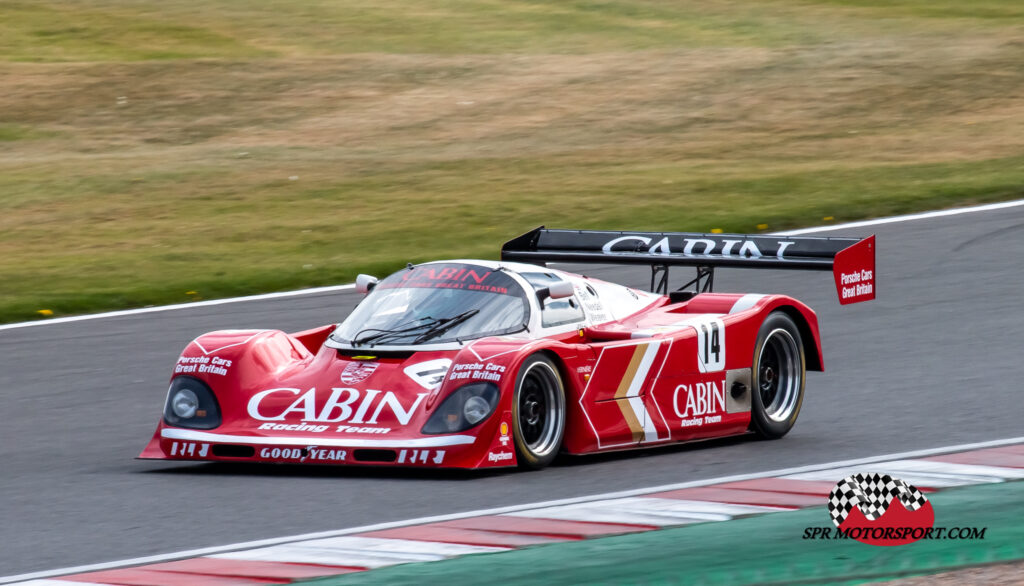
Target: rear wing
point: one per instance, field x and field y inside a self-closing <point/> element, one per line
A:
<point x="851" y="260"/>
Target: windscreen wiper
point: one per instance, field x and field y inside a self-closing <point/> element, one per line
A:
<point x="382" y="333"/>
<point x="443" y="325"/>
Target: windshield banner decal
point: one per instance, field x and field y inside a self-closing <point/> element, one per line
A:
<point x="453" y="277"/>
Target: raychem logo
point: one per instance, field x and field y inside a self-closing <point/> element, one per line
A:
<point x="878" y="509"/>
<point x="863" y="503"/>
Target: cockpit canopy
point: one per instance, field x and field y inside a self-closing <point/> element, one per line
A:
<point x="437" y="303"/>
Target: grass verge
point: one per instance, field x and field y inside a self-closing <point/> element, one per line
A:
<point x="158" y="153"/>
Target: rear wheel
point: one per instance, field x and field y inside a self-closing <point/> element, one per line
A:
<point x="538" y="412"/>
<point x="779" y="373"/>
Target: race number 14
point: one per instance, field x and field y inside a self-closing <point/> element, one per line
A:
<point x="711" y="345"/>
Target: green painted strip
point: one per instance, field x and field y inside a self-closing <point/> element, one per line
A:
<point x="766" y="549"/>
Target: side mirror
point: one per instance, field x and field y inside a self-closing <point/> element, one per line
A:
<point x="365" y="283"/>
<point x="556" y="290"/>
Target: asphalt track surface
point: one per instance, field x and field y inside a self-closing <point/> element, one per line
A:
<point x="934" y="361"/>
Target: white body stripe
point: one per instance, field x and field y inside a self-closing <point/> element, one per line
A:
<point x="641" y="372"/>
<point x="636" y="403"/>
<point x="650" y="432"/>
<point x="746" y="302"/>
<point x="231" y="345"/>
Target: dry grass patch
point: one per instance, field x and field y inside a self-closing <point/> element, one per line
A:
<point x="130" y="181"/>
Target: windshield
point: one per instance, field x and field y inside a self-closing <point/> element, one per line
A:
<point x="437" y="303"/>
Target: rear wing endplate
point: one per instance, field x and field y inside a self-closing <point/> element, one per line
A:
<point x="851" y="260"/>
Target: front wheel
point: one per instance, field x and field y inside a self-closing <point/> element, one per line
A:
<point x="538" y="412"/>
<point x="779" y="373"/>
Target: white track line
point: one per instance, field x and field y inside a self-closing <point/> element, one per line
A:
<point x="333" y="288"/>
<point x="64" y="583"/>
<point x="906" y="218"/>
<point x="503" y="510"/>
<point x="925" y="473"/>
<point x="365" y="552"/>
<point x="646" y="510"/>
<point x="192" y="305"/>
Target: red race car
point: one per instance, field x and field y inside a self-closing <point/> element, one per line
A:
<point x="477" y="364"/>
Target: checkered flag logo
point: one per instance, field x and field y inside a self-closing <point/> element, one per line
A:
<point x="872" y="494"/>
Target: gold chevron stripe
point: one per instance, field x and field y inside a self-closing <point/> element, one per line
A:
<point x="630" y="374"/>
<point x="620" y="395"/>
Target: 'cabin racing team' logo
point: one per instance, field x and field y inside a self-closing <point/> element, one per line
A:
<point x="357" y="372"/>
<point x="864" y="505"/>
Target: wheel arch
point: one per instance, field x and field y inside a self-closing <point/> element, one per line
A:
<point x="808" y="335"/>
<point x="568" y="385"/>
<point x="563" y="370"/>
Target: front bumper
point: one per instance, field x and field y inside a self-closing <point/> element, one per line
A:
<point x="443" y="451"/>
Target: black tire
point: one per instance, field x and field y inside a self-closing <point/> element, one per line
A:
<point x="538" y="412"/>
<point x="779" y="373"/>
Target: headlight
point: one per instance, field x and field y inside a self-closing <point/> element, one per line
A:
<point x="475" y="409"/>
<point x="190" y="403"/>
<point x="185" y="403"/>
<point x="461" y="410"/>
